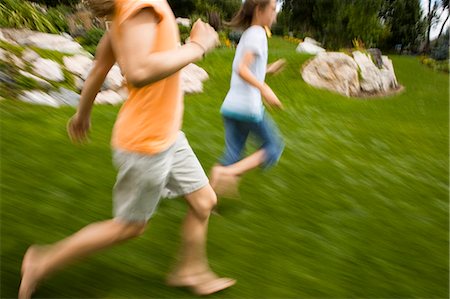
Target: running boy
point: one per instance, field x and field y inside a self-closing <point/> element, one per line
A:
<point x="150" y="151"/>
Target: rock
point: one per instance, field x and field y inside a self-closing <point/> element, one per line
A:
<point x="56" y="42"/>
<point x="66" y="97"/>
<point x="184" y="22"/>
<point x="310" y="46"/>
<point x="108" y="97"/>
<point x="5" y="78"/>
<point x="357" y="76"/>
<point x="79" y="83"/>
<point x="30" y="56"/>
<point x="312" y="41"/>
<point x="192" y="77"/>
<point x="38" y="97"/>
<point x="370" y="75"/>
<point x="79" y="65"/>
<point x="376" y="57"/>
<point x="373" y="79"/>
<point x="16" y="61"/>
<point x="333" y="71"/>
<point x="48" y="69"/>
<point x="389" y="73"/>
<point x="40" y="81"/>
<point x="3" y="55"/>
<point x="114" y="80"/>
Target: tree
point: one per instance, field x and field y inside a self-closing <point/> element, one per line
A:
<point x="335" y="22"/>
<point x="182" y="8"/>
<point x="445" y="7"/>
<point x="431" y="19"/>
<point x="403" y="20"/>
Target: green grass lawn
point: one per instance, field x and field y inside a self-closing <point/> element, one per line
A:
<point x="356" y="208"/>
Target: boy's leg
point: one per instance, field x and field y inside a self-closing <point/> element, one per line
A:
<point x="192" y="269"/>
<point x="39" y="262"/>
<point x="188" y="178"/>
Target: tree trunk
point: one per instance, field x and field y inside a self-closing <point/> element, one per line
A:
<point x="443" y="25"/>
<point x="429" y="19"/>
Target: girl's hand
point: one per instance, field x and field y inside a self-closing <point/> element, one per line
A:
<point x="276" y="67"/>
<point x="270" y="97"/>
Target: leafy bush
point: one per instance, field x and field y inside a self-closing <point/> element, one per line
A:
<point x="440" y="50"/>
<point x="90" y="39"/>
<point x="437" y="65"/>
<point x="184" y="32"/>
<point x="21" y="14"/>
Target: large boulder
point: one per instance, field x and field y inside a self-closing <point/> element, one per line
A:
<point x="309" y="46"/>
<point x="333" y="71"/>
<point x="356" y="76"/>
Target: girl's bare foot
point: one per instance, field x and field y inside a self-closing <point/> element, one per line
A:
<point x="224" y="183"/>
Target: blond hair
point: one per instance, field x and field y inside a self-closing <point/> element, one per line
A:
<point x="243" y="18"/>
<point x="101" y="8"/>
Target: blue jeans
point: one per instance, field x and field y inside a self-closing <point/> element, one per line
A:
<point x="237" y="132"/>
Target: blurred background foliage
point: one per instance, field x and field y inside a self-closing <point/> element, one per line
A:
<point x="400" y="25"/>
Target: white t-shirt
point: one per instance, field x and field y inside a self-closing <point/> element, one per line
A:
<point x="243" y="101"/>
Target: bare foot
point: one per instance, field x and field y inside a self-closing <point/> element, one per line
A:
<point x="224" y="183"/>
<point x="201" y="284"/>
<point x="31" y="271"/>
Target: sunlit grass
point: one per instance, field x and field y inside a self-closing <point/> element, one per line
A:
<point x="357" y="207"/>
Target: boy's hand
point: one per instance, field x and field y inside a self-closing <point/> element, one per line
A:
<point x="204" y="35"/>
<point x="78" y="128"/>
<point x="270" y="97"/>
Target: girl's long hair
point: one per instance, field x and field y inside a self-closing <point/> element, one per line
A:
<point x="101" y="8"/>
<point x="243" y="18"/>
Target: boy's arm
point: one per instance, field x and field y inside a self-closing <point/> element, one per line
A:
<point x="141" y="65"/>
<point x="79" y="124"/>
<point x="244" y="71"/>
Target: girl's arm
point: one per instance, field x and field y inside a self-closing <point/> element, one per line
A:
<point x="244" y="71"/>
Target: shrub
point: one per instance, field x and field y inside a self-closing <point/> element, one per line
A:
<point x="440" y="50"/>
<point x="21" y="14"/>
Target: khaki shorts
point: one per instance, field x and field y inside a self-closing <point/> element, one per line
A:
<point x="143" y="179"/>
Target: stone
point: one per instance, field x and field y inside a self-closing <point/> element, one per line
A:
<point x="38" y="97"/>
<point x="3" y="54"/>
<point x="30" y="56"/>
<point x="16" y="61"/>
<point x="375" y="80"/>
<point x="41" y="82"/>
<point x="108" y="97"/>
<point x="192" y="77"/>
<point x="48" y="69"/>
<point x="309" y="46"/>
<point x="79" y="83"/>
<point x="56" y="42"/>
<point x="183" y="22"/>
<point x="66" y="97"/>
<point x="370" y="75"/>
<point x="114" y="80"/>
<point x="333" y="71"/>
<point x="79" y="65"/>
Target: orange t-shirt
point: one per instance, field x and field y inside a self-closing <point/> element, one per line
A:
<point x="151" y="117"/>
